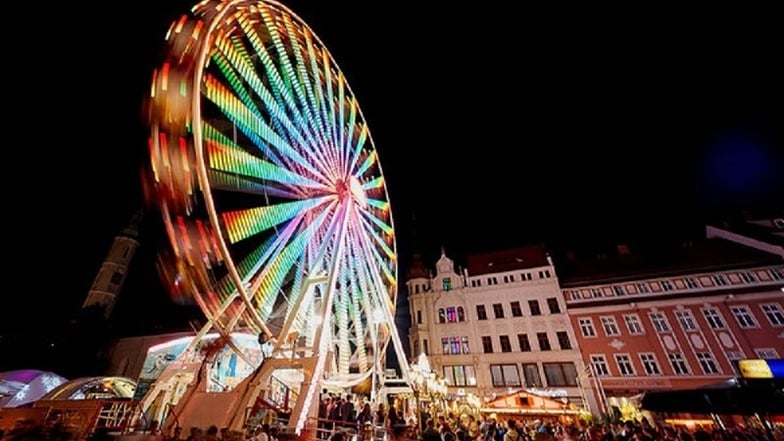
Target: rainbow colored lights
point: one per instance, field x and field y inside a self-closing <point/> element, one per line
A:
<point x="270" y="185"/>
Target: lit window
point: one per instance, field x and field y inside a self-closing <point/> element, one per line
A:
<point x="505" y="375"/>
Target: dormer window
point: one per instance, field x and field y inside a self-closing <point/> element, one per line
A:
<point x="447" y="284"/>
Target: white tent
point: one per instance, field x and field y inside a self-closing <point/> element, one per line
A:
<point x="21" y="387"/>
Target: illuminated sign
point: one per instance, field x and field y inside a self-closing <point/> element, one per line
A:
<point x="759" y="368"/>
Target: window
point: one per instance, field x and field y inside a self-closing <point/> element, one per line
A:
<point x="596" y="292"/>
<point x="522" y="340"/>
<point x="460" y="314"/>
<point x="447" y="284"/>
<point x="509" y="278"/>
<point x="610" y="326"/>
<point x="743" y="316"/>
<point x="416" y="347"/>
<point x="506" y="345"/>
<point x="425" y="347"/>
<point x="678" y="364"/>
<point x="649" y="363"/>
<point x="445" y="345"/>
<point x="560" y="374"/>
<point x="734" y="357"/>
<point x="552" y="305"/>
<point x="487" y="344"/>
<point x="476" y="283"/>
<point x="719" y="280"/>
<point x="619" y="291"/>
<point x="633" y="324"/>
<point x="707" y="363"/>
<point x="117" y="278"/>
<point x="659" y="322"/>
<point x="531" y="372"/>
<point x="517" y="311"/>
<point x="534" y="306"/>
<point x="460" y="375"/>
<point x="441" y="315"/>
<point x="685" y="319"/>
<point x="777" y="273"/>
<point x="498" y="310"/>
<point x="419" y="317"/>
<point x="624" y="365"/>
<point x="642" y="287"/>
<point x="599" y="366"/>
<point x="713" y="318"/>
<point x="455" y="343"/>
<point x="505" y="375"/>
<point x="748" y="277"/>
<point x="563" y="340"/>
<point x="451" y="314"/>
<point x="774" y="313"/>
<point x="465" y="345"/>
<point x="666" y="285"/>
<point x="691" y="283"/>
<point x="766" y="353"/>
<point x="544" y="342"/>
<point x="586" y="327"/>
<point x="481" y="313"/>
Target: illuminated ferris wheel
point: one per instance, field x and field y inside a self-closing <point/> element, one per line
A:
<point x="271" y="189"/>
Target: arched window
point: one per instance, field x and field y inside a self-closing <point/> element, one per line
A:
<point x="460" y="314"/>
<point x="441" y="315"/>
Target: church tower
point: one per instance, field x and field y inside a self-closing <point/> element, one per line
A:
<point x="109" y="281"/>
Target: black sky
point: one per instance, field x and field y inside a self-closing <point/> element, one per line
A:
<point x="498" y="124"/>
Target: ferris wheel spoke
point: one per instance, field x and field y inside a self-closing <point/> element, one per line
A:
<point x="299" y="87"/>
<point x="262" y="264"/>
<point x="237" y="59"/>
<point x="242" y="224"/>
<point x="309" y="98"/>
<point x="256" y="129"/>
<point x="324" y="101"/>
<point x="234" y="62"/>
<point x="221" y="181"/>
<point x="281" y="91"/>
<point x="329" y="103"/>
<point x="355" y="146"/>
<point x="224" y="155"/>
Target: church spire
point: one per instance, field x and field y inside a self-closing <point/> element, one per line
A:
<point x="110" y="278"/>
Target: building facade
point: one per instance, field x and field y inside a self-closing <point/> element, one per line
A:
<point x="675" y="317"/>
<point x="497" y="326"/>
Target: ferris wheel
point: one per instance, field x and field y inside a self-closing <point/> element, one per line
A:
<point x="270" y="186"/>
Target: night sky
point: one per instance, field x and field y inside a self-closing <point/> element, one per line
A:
<point x="498" y="124"/>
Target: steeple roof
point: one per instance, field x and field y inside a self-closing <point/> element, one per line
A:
<point x="133" y="227"/>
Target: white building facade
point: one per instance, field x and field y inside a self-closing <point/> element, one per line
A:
<point x="498" y="326"/>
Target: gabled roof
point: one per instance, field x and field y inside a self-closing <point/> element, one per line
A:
<point x="659" y="259"/>
<point x="507" y="260"/>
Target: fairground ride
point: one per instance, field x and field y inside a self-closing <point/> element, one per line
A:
<point x="276" y="208"/>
